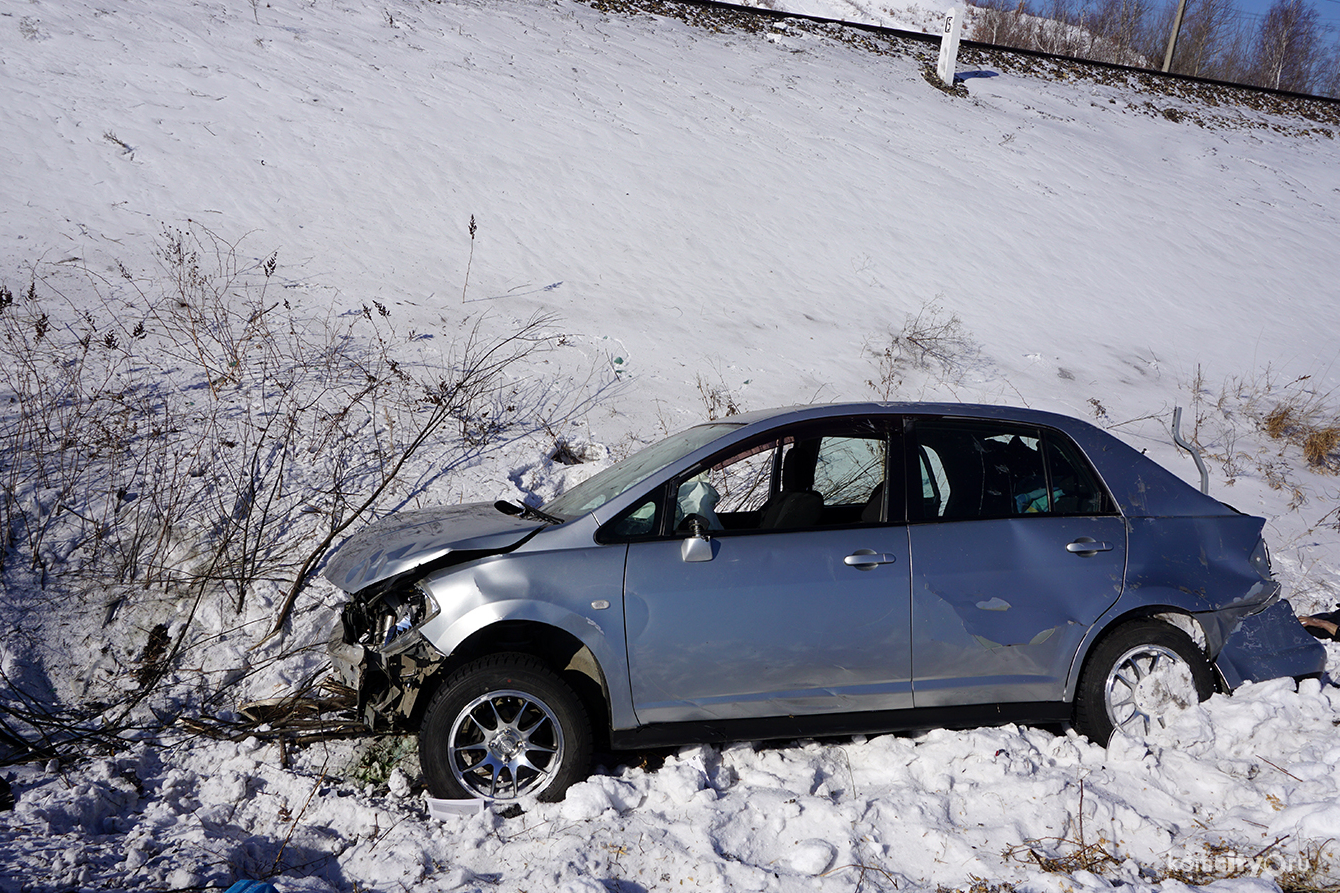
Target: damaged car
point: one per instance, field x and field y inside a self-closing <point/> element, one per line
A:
<point x="810" y="571"/>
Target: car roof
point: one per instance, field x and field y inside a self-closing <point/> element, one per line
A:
<point x="1141" y="487"/>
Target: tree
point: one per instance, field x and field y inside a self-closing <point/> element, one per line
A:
<point x="1328" y="82"/>
<point x="1211" y="40"/>
<point x="1121" y="30"/>
<point x="1288" y="54"/>
<point x="1002" y="23"/>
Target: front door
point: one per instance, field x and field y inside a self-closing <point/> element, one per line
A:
<point x="799" y="604"/>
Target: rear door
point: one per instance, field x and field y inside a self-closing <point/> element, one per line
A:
<point x="1016" y="551"/>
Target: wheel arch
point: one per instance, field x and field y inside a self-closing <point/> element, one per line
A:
<point x="1140" y="673"/>
<point x="1180" y="616"/>
<point x="559" y="649"/>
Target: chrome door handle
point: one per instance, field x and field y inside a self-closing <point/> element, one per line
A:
<point x="868" y="559"/>
<point x="1086" y="546"/>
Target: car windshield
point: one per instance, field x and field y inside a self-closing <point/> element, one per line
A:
<point x="599" y="489"/>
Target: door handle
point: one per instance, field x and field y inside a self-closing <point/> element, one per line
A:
<point x="868" y="559"/>
<point x="1087" y="546"/>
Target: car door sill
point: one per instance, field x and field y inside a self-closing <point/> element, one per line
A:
<point x="784" y="727"/>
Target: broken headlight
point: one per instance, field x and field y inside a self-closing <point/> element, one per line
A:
<point x="398" y="614"/>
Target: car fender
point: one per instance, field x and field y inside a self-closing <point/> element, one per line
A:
<point x="1213" y="624"/>
<point x="586" y="630"/>
<point x="536" y="588"/>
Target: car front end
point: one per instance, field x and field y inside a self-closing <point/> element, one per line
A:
<point x="377" y="647"/>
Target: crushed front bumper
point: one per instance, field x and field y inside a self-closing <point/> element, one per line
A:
<point x="388" y="685"/>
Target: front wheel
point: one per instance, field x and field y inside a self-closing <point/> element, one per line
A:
<point x="504" y="727"/>
<point x="1137" y="678"/>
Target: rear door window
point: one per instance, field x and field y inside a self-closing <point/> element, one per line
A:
<point x="965" y="470"/>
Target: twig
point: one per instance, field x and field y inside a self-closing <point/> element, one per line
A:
<point x="469" y="260"/>
<point x="1277" y="841"/>
<point x="1285" y="771"/>
<point x="862" y="868"/>
<point x="294" y="824"/>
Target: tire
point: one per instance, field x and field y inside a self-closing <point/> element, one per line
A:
<point x="1138" y="677"/>
<point x="501" y="728"/>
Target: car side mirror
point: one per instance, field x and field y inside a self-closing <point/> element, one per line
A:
<point x="698" y="545"/>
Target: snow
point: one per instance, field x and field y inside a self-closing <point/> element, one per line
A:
<point x="708" y="211"/>
<point x="928" y="18"/>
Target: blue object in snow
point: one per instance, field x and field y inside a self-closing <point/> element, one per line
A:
<point x="247" y="886"/>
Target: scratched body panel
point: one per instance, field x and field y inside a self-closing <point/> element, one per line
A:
<point x="999" y="607"/>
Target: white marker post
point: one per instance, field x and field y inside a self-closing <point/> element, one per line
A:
<point x="949" y="45"/>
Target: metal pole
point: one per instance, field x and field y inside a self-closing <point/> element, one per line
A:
<point x="1190" y="448"/>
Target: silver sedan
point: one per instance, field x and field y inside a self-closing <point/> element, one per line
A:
<point x="808" y="571"/>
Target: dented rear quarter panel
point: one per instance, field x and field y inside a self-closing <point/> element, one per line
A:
<point x="1199" y="566"/>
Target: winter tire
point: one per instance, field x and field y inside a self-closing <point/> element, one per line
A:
<point x="501" y="728"/>
<point x="1137" y="678"/>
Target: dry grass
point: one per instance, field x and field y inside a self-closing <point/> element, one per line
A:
<point x="1304" y="867"/>
<point x="1308" y="871"/>
<point x="1306" y="420"/>
<point x="1315" y="874"/>
<point x="1278" y="421"/>
<point x="979" y="885"/>
<point x="720" y="400"/>
<point x="1293" y="414"/>
<point x="1320" y="447"/>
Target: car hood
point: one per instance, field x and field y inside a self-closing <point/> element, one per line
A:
<point x="406" y="540"/>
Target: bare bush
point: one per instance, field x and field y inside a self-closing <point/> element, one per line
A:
<point x="998" y="23"/>
<point x="224" y="400"/>
<point x="190" y="437"/>
<point x="1109" y="31"/>
<point x="931" y="340"/>
<point x="719" y="399"/>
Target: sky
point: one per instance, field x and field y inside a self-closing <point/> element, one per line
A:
<point x="1327" y="10"/>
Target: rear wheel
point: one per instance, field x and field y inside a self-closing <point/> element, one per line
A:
<point x="1138" y="678"/>
<point x="504" y="727"/>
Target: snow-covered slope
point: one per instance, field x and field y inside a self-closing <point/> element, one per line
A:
<point x="676" y="190"/>
<point x="708" y="210"/>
